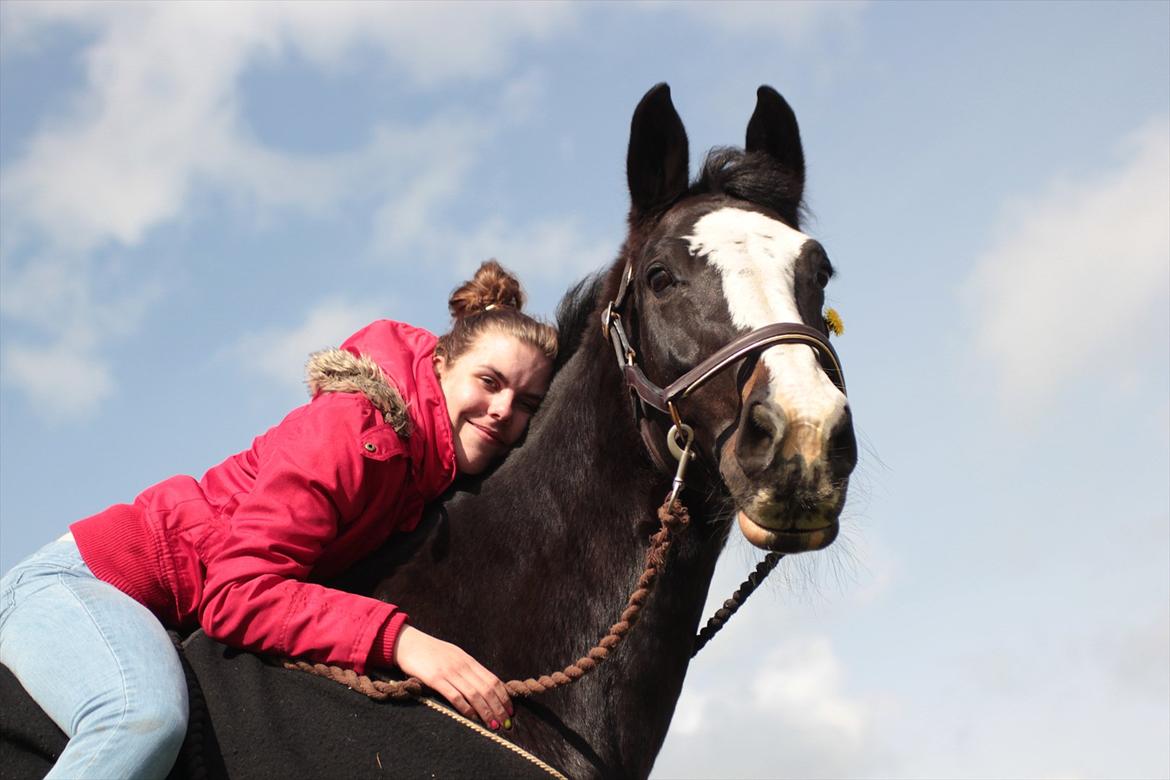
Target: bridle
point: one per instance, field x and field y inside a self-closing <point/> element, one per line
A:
<point x="663" y="398"/>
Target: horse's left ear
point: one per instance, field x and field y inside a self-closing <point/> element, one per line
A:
<point x="773" y="130"/>
<point x="657" y="163"/>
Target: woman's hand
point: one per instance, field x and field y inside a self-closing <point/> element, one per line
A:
<point x="455" y="675"/>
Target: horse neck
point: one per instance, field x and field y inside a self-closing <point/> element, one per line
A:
<point x="582" y="495"/>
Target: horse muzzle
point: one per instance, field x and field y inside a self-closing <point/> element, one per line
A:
<point x="797" y="511"/>
<point x="788" y="472"/>
<point x="791" y="508"/>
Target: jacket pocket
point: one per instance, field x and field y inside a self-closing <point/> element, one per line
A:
<point x="380" y="443"/>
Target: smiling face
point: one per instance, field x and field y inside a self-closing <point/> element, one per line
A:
<point x="492" y="390"/>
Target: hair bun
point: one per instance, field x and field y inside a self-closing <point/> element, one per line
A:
<point x="491" y="288"/>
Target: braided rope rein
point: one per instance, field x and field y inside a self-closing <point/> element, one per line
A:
<point x="672" y="515"/>
<point x="732" y="605"/>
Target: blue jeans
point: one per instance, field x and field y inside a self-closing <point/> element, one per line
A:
<point x="99" y="664"/>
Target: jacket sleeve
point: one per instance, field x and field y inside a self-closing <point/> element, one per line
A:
<point x="313" y="476"/>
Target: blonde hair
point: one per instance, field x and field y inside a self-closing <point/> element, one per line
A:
<point x="491" y="301"/>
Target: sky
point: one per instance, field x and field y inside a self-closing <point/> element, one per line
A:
<point x="194" y="197"/>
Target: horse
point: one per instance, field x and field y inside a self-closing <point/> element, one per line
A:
<point x="703" y="344"/>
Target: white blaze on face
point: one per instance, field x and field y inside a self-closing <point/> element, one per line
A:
<point x="756" y="256"/>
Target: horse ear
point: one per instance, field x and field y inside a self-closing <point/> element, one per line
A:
<point x="657" y="163"/>
<point x="773" y="130"/>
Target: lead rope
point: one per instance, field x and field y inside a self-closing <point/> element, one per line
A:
<point x="732" y="605"/>
<point x="683" y="454"/>
<point x="672" y="515"/>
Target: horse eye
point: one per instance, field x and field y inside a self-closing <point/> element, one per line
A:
<point x="822" y="278"/>
<point x="659" y="278"/>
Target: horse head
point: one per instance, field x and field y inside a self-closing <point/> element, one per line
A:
<point x="706" y="263"/>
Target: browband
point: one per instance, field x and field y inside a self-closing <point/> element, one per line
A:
<point x="757" y="340"/>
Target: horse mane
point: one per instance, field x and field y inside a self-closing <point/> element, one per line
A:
<point x="755" y="177"/>
<point x="573" y="315"/>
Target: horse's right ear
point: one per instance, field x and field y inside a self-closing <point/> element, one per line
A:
<point x="657" y="164"/>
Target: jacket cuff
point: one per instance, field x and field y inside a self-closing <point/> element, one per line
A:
<point x="382" y="652"/>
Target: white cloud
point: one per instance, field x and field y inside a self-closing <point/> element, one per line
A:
<point x="55" y="358"/>
<point x="776" y="699"/>
<point x="1079" y="277"/>
<point x="801" y="681"/>
<point x="688" y="713"/>
<point x="409" y="219"/>
<point x="1139" y="658"/>
<point x="787" y="713"/>
<point x="432" y="42"/>
<point x="159" y="113"/>
<point x="64" y="378"/>
<point x="160" y="108"/>
<point x="551" y="250"/>
<point x="279" y="354"/>
<point x="794" y="21"/>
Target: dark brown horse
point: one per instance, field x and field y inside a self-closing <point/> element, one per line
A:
<point x="530" y="566"/>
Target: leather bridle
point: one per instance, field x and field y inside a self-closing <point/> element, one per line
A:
<point x="663" y="398"/>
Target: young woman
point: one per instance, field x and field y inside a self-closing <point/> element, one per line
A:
<point x="395" y="416"/>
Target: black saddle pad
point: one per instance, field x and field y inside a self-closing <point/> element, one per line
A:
<point x="253" y="720"/>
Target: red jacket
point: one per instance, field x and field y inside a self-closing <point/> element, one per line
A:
<point x="239" y="550"/>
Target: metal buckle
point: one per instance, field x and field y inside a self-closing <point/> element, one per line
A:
<point x="607" y="317"/>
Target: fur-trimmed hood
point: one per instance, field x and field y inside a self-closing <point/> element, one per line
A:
<point x="392" y="364"/>
<point x="338" y="371"/>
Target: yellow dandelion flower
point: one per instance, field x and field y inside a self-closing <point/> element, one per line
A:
<point x="833" y="322"/>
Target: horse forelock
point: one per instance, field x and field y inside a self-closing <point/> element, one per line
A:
<point x="754" y="177"/>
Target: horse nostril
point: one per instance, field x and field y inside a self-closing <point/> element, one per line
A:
<point x="761" y="417"/>
<point x="843" y="449"/>
<point x="759" y="434"/>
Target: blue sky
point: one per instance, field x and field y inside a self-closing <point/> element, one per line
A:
<point x="193" y="197"/>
